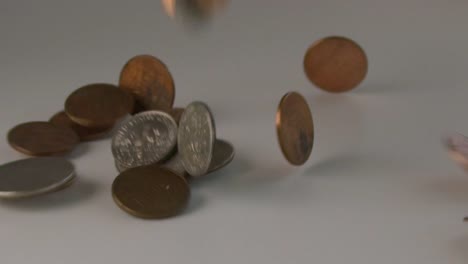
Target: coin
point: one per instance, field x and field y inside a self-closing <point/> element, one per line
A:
<point x="35" y="176"/>
<point x="295" y="128"/>
<point x="457" y="145"/>
<point x="146" y="138"/>
<point x="335" y="64"/>
<point x="175" y="164"/>
<point x="42" y="139"/>
<point x="176" y="113"/>
<point x="120" y="167"/>
<point x="150" y="81"/>
<point x="85" y="133"/>
<point x="223" y="154"/>
<point x="196" y="138"/>
<point x="151" y="192"/>
<point x="98" y="105"/>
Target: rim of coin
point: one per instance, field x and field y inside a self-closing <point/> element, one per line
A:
<point x="85" y="133"/>
<point x="35" y="176"/>
<point x="42" y="139"/>
<point x="151" y="192"/>
<point x="150" y="81"/>
<point x="86" y="106"/>
<point x="146" y="138"/>
<point x="336" y="64"/>
<point x="295" y="128"/>
<point x="223" y="155"/>
<point x="196" y="138"/>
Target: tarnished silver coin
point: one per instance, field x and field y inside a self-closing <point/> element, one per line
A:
<point x="175" y="164"/>
<point x="196" y="138"/>
<point x="145" y="139"/>
<point x="36" y="176"/>
<point x="223" y="155"/>
<point x="120" y="167"/>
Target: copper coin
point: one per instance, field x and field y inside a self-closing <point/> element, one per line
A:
<point x="151" y="192"/>
<point x="85" y="133"/>
<point x="176" y="113"/>
<point x="42" y="139"/>
<point x="295" y="128"/>
<point x="98" y="105"/>
<point x="150" y="81"/>
<point x="335" y="64"/>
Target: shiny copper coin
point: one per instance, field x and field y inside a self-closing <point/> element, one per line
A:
<point x="151" y="192"/>
<point x="335" y="64"/>
<point x="85" y="133"/>
<point x="176" y="113"/>
<point x="295" y="128"/>
<point x="150" y="81"/>
<point x="42" y="139"/>
<point x="98" y="105"/>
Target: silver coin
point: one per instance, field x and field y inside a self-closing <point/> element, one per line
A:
<point x="457" y="144"/>
<point x="145" y="139"/>
<point x="35" y="176"/>
<point x="223" y="155"/>
<point x="120" y="167"/>
<point x="196" y="138"/>
<point x="175" y="164"/>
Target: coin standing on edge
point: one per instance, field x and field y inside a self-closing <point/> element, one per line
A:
<point x="335" y="64"/>
<point x="85" y="133"/>
<point x="146" y="138"/>
<point x="151" y="192"/>
<point x="42" y="139"/>
<point x="223" y="154"/>
<point x="35" y="176"/>
<point x="150" y="81"/>
<point x="196" y="138"/>
<point x="98" y="105"/>
<point x="295" y="128"/>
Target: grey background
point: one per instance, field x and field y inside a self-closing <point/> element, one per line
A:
<point x="379" y="187"/>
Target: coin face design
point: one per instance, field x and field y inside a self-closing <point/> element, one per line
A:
<point x="146" y="138"/>
<point x="457" y="145"/>
<point x="151" y="192"/>
<point x="34" y="176"/>
<point x="150" y="81"/>
<point x="84" y="133"/>
<point x="295" y="128"/>
<point x="42" y="139"/>
<point x="98" y="105"/>
<point x="335" y="64"/>
<point x="223" y="155"/>
<point x="196" y="138"/>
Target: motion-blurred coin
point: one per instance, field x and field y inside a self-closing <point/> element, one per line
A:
<point x="176" y="113"/>
<point x="295" y="128"/>
<point x="98" y="105"/>
<point x="151" y="192"/>
<point x="196" y="138"/>
<point x="42" y="139"/>
<point x="85" y="133"/>
<point x="223" y="155"/>
<point x="31" y="177"/>
<point x="193" y="12"/>
<point x="146" y="138"/>
<point x="335" y="64"/>
<point x="457" y="146"/>
<point x="150" y="81"/>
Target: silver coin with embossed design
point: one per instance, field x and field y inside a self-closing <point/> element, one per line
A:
<point x="223" y="155"/>
<point x="196" y="138"/>
<point x="175" y="164"/>
<point x="145" y="139"/>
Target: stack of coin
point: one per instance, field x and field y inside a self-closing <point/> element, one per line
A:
<point x="160" y="148"/>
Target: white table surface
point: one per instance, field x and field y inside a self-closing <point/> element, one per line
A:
<point x="379" y="187"/>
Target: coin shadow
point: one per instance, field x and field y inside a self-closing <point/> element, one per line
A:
<point x="79" y="151"/>
<point x="445" y="188"/>
<point x="197" y="201"/>
<point x="79" y="191"/>
<point x="339" y="162"/>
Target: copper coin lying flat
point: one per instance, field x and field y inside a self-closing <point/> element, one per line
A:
<point x="151" y="192"/>
<point x="149" y="80"/>
<point x="295" y="128"/>
<point x="85" y="133"/>
<point x="98" y="105"/>
<point x="42" y="139"/>
<point x="335" y="64"/>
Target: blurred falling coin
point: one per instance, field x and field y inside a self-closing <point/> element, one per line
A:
<point x="295" y="128"/>
<point x="457" y="145"/>
<point x="151" y="192"/>
<point x="223" y="155"/>
<point x="146" y="138"/>
<point x="98" y="105"/>
<point x="42" y="139"/>
<point x="193" y="12"/>
<point x="85" y="133"/>
<point x="150" y="81"/>
<point x="196" y="138"/>
<point x="336" y="64"/>
<point x="35" y="176"/>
